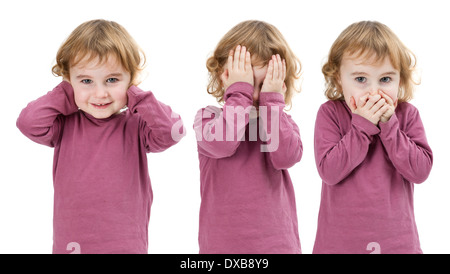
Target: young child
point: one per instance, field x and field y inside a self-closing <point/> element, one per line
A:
<point x="102" y="191"/>
<point x="248" y="203"/>
<point x="370" y="145"/>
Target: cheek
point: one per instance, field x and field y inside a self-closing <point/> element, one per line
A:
<point x="351" y="91"/>
<point x="393" y="93"/>
<point x="120" y="94"/>
<point x="81" y="96"/>
<point x="355" y="93"/>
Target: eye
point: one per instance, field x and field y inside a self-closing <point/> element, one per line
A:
<point x="112" y="80"/>
<point x="386" y="79"/>
<point x="86" y="81"/>
<point x="361" y="79"/>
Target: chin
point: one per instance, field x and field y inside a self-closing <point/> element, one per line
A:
<point x="98" y="115"/>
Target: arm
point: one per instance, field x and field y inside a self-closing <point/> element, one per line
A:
<point x="336" y="155"/>
<point x="408" y="148"/>
<point x="218" y="132"/>
<point x="160" y="128"/>
<point x="237" y="79"/>
<point x="42" y="119"/>
<point x="285" y="148"/>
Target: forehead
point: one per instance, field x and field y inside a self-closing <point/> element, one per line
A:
<point x="90" y="62"/>
<point x="368" y="61"/>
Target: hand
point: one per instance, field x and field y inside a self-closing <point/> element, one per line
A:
<point x="276" y="73"/>
<point x="371" y="107"/>
<point x="239" y="68"/>
<point x="391" y="107"/>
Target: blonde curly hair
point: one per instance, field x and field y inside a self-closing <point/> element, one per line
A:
<point x="370" y="38"/>
<point x="99" y="39"/>
<point x="262" y="40"/>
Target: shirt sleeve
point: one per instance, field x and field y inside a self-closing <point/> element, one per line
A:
<point x="337" y="154"/>
<point x="42" y="120"/>
<point x="408" y="149"/>
<point x="283" y="142"/>
<point x="218" y="133"/>
<point x="160" y="127"/>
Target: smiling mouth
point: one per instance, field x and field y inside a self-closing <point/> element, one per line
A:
<point x="100" y="106"/>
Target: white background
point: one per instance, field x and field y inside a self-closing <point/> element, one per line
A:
<point x="177" y="37"/>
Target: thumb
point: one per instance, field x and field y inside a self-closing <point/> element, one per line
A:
<point x="352" y="104"/>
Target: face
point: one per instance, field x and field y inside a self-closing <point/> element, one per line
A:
<point x="100" y="88"/>
<point x="360" y="76"/>
<point x="259" y="74"/>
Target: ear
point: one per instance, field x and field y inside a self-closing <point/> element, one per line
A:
<point x="224" y="75"/>
<point x="224" y="79"/>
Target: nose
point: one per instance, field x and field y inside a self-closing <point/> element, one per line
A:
<point x="374" y="90"/>
<point x="100" y="92"/>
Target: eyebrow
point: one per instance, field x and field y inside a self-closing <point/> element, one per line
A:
<point x="364" y="73"/>
<point x="115" y="74"/>
<point x="81" y="76"/>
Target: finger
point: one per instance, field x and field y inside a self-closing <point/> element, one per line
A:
<point x="352" y="104"/>
<point x="237" y="53"/>
<point x="230" y="60"/>
<point x="378" y="105"/>
<point x="280" y="67"/>
<point x="362" y="101"/>
<point x="269" y="73"/>
<point x="248" y="61"/>
<point x="242" y="57"/>
<point x="276" y="67"/>
<point x="372" y="101"/>
<point x="381" y="111"/>
<point x="388" y="113"/>
<point x="386" y="97"/>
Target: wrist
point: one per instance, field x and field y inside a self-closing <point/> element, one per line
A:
<point x="364" y="124"/>
<point x="239" y="87"/>
<point x="271" y="98"/>
<point x="134" y="96"/>
<point x="67" y="89"/>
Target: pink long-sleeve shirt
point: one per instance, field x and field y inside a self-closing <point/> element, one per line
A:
<point x="102" y="191"/>
<point x="247" y="197"/>
<point x="368" y="175"/>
